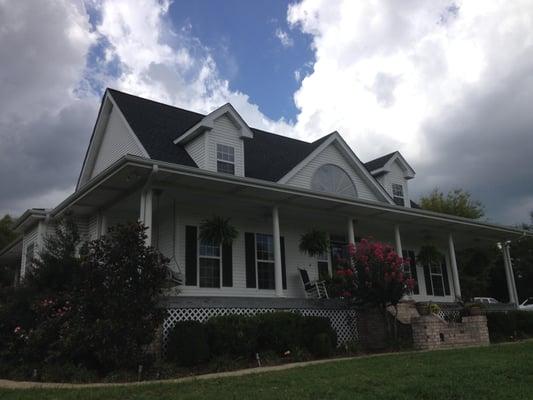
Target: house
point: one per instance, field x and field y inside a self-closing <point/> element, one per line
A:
<point x="172" y="168"/>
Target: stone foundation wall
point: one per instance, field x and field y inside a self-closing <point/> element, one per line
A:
<point x="431" y="332"/>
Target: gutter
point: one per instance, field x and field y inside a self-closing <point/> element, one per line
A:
<point x="160" y="166"/>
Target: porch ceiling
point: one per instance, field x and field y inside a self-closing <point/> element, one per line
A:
<point x="130" y="174"/>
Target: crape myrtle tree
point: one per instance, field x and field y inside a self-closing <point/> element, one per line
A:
<point x="93" y="305"/>
<point x="373" y="275"/>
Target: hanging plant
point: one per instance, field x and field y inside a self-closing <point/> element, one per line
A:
<point x="314" y="243"/>
<point x="428" y="254"/>
<point x="218" y="230"/>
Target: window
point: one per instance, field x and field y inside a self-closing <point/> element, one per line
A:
<point x="437" y="281"/>
<point x="28" y="263"/>
<point x="225" y="159"/>
<point x="209" y="265"/>
<point x="332" y="179"/>
<point x="265" y="261"/>
<point x="397" y="194"/>
<point x="410" y="268"/>
<point x="323" y="265"/>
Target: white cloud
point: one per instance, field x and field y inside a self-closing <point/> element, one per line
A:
<point x="47" y="107"/>
<point x="410" y="75"/>
<point x="284" y="38"/>
<point x="44" y="113"/>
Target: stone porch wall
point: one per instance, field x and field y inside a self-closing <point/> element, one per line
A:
<point x="431" y="332"/>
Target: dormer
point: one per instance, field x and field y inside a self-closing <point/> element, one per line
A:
<point x="393" y="173"/>
<point x="216" y="142"/>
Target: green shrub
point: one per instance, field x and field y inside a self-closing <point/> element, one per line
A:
<point x="279" y="331"/>
<point x="67" y="372"/>
<point x="234" y="335"/>
<point x="187" y="343"/>
<point x="504" y="326"/>
<point x="321" y="346"/>
<point x="313" y="326"/>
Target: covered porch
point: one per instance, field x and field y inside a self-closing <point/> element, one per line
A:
<point x="168" y="198"/>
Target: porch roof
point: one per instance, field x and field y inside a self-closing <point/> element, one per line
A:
<point x="131" y="173"/>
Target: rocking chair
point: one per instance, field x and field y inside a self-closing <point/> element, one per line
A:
<point x="313" y="289"/>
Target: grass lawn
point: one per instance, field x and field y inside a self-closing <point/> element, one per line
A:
<point x="496" y="372"/>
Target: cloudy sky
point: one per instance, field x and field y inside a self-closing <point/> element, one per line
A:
<point x="448" y="83"/>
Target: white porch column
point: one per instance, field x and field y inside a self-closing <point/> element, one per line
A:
<point x="101" y="222"/>
<point x="146" y="213"/>
<point x="453" y="263"/>
<point x="398" y="240"/>
<point x="509" y="275"/>
<point x="277" y="252"/>
<point x="351" y="233"/>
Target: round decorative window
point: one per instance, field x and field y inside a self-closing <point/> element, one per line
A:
<point x="332" y="179"/>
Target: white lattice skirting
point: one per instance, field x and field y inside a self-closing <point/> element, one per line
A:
<point x="343" y="321"/>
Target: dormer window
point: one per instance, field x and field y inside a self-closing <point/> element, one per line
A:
<point x="397" y="194"/>
<point x="225" y="159"/>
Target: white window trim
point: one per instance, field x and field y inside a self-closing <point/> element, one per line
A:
<point x="327" y="259"/>
<point x="397" y="196"/>
<point x="219" y="258"/>
<point x="225" y="161"/>
<point x="431" y="275"/>
<point x="257" y="261"/>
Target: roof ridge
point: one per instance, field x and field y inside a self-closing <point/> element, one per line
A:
<point x="203" y="115"/>
<point x="383" y="156"/>
<point x="155" y="101"/>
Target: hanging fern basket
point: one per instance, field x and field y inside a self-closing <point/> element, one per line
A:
<point x="218" y="230"/>
<point x="314" y="243"/>
<point x="429" y="254"/>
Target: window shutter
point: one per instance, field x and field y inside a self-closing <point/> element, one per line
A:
<point x="283" y="265"/>
<point x="227" y="266"/>
<point x="191" y="255"/>
<point x="445" y="278"/>
<point x="249" y="244"/>
<point x="427" y="278"/>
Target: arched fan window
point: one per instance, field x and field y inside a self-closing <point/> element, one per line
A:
<point x="332" y="179"/>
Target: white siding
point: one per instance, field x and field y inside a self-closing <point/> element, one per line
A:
<point x="29" y="237"/>
<point x="331" y="155"/>
<point x="117" y="141"/>
<point x="197" y="150"/>
<point x="226" y="133"/>
<point x="92" y="227"/>
<point x="190" y="216"/>
<point x="396" y="175"/>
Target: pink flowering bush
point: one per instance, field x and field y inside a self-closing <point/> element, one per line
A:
<point x="373" y="274"/>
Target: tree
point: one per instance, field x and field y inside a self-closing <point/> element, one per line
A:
<point x="456" y="202"/>
<point x="374" y="276"/>
<point x="95" y="305"/>
<point x="7" y="234"/>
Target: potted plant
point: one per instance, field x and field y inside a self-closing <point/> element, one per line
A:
<point x="422" y="308"/>
<point x="474" y="309"/>
<point x="434" y="308"/>
<point x="218" y="230"/>
<point x="428" y="254"/>
<point x="314" y="243"/>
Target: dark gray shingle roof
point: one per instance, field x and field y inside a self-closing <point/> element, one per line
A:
<point x="267" y="156"/>
<point x="379" y="162"/>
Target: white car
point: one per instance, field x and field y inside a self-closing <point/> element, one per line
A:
<point x="527" y="305"/>
<point x="485" y="300"/>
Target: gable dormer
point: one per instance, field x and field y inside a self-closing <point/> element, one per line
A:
<point x="333" y="168"/>
<point x="393" y="173"/>
<point x="216" y="142"/>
